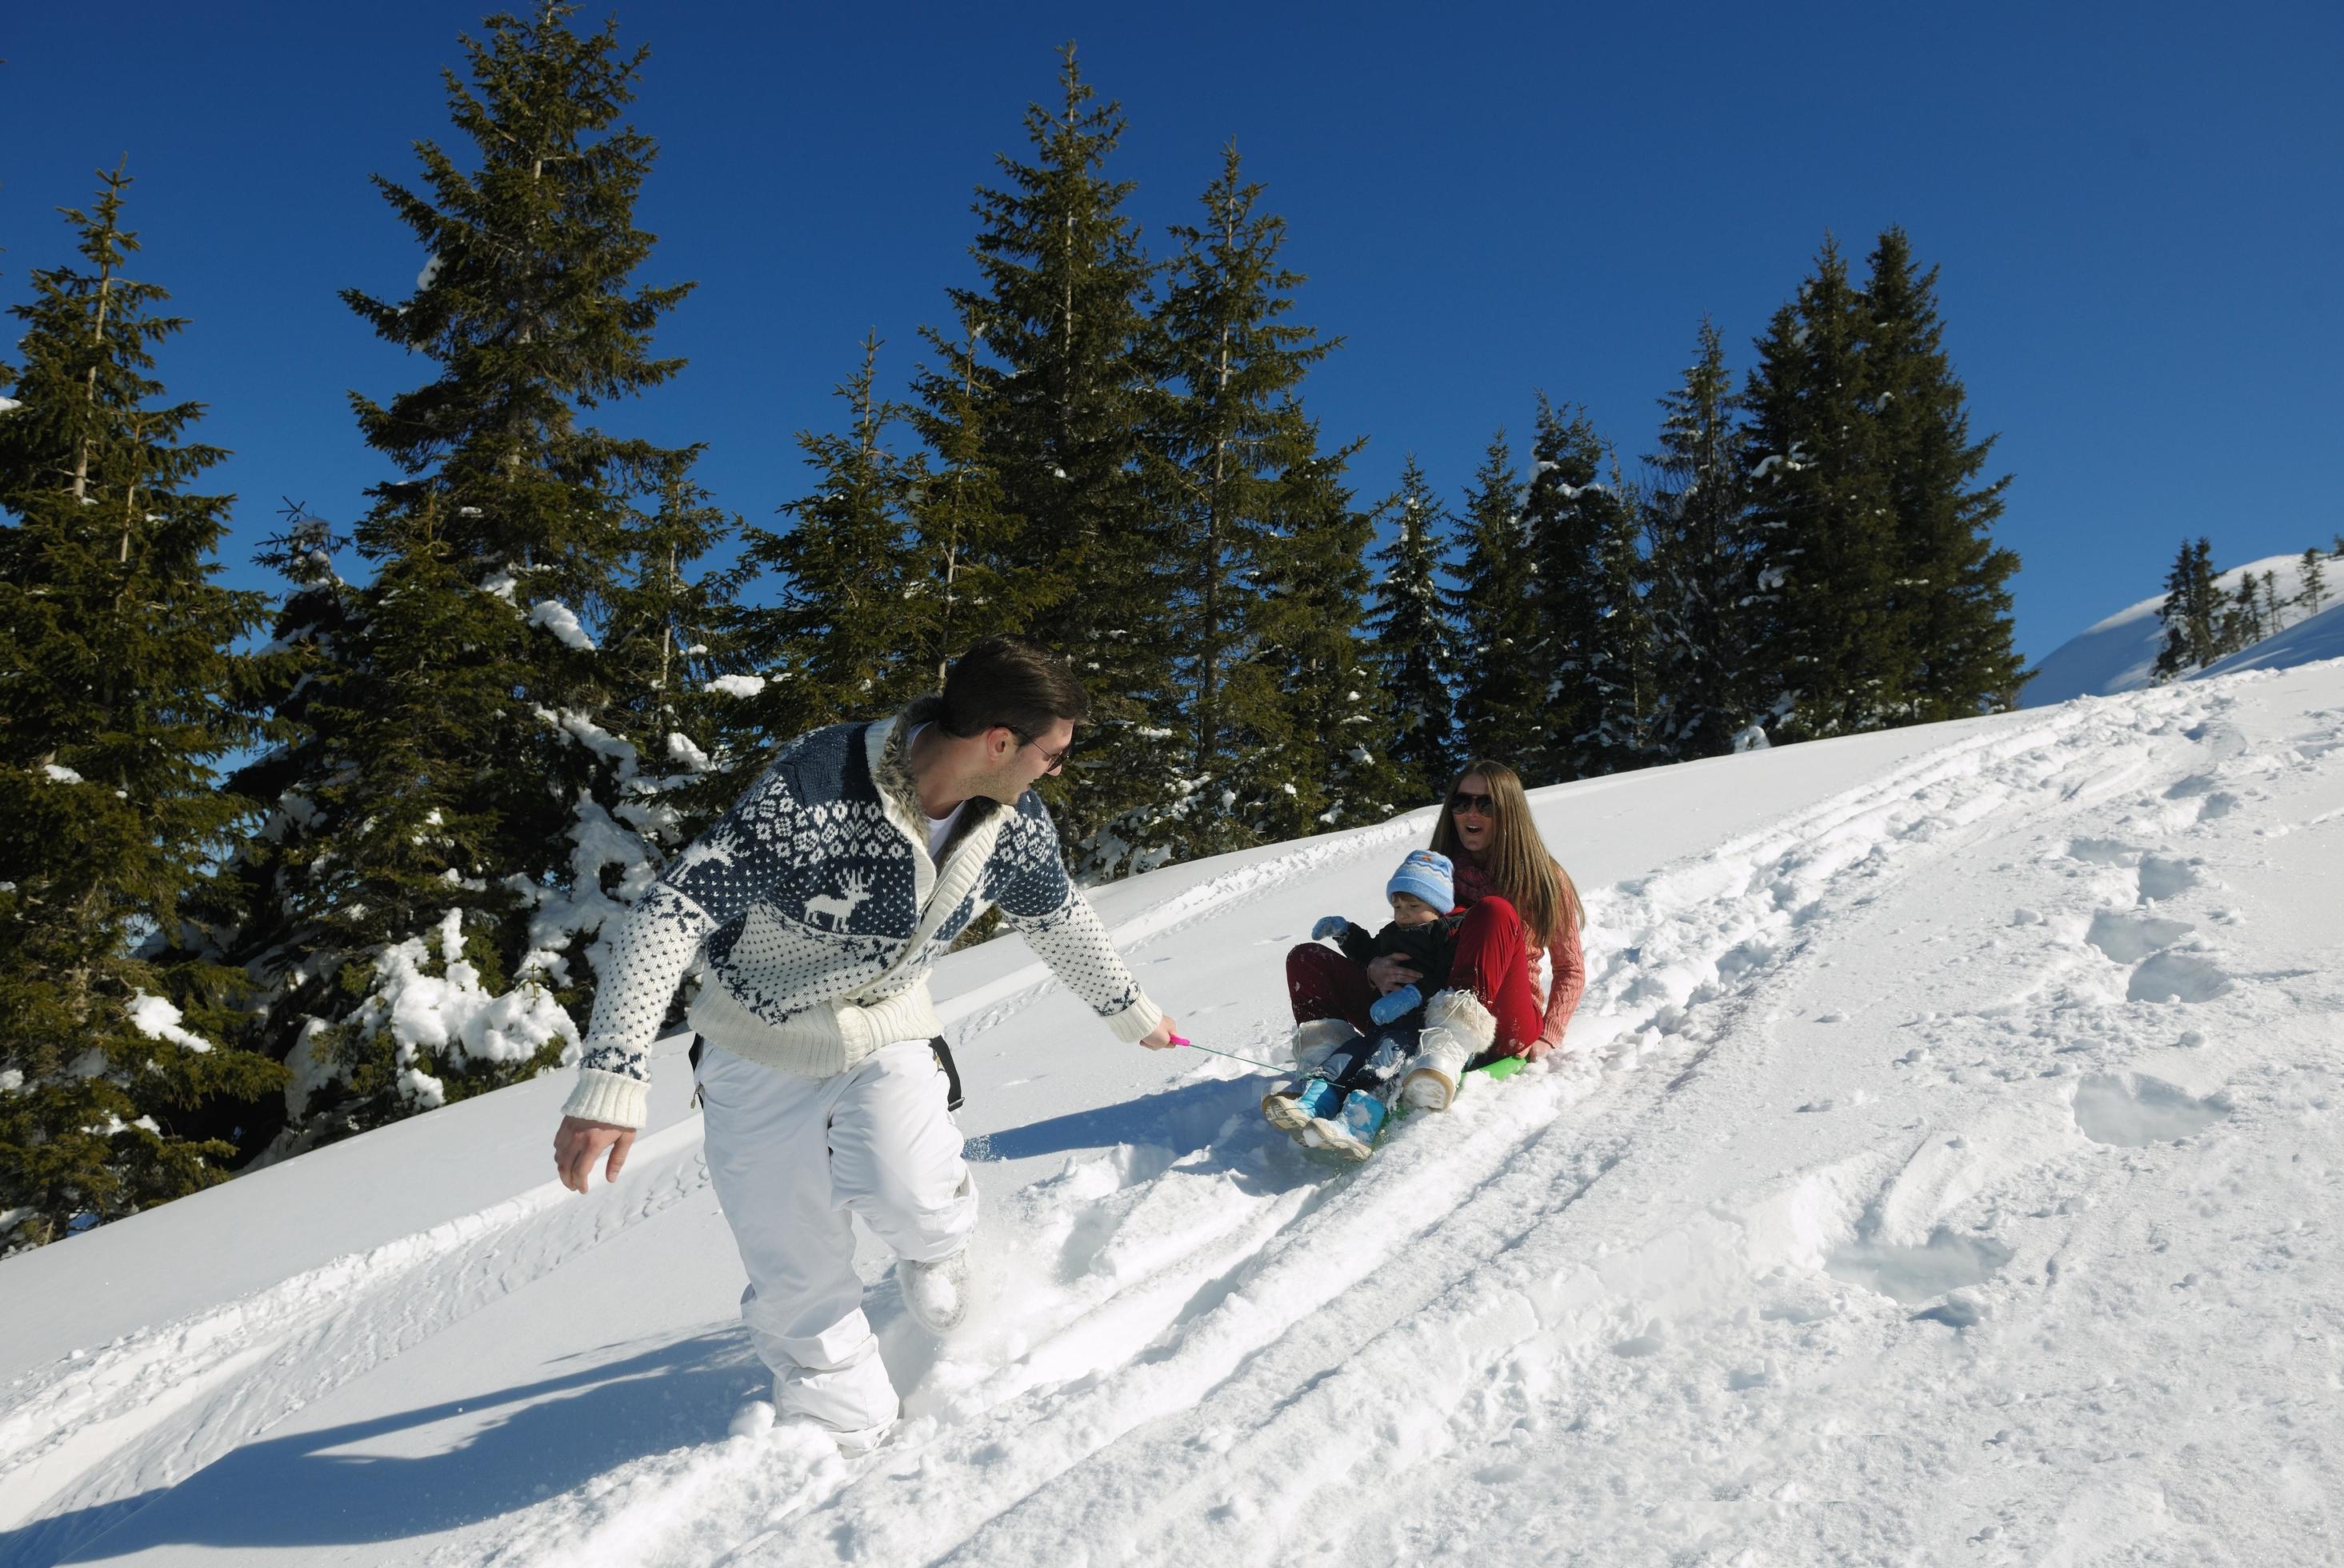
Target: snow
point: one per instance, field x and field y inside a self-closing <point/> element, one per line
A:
<point x="158" y="1019"/>
<point x="680" y="749"/>
<point x="562" y="621"/>
<point x="60" y="774"/>
<point x="451" y="1015"/>
<point x="2118" y="654"/>
<point x="9" y="405"/>
<point x="1941" y="1170"/>
<point x="2320" y="636"/>
<point x="736" y="686"/>
<point x="598" y="740"/>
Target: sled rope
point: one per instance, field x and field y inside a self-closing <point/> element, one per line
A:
<point x="1249" y="1061"/>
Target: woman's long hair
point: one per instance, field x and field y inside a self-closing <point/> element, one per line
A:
<point x="1517" y="862"/>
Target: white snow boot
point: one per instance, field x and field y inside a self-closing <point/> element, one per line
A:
<point x="1457" y="1027"/>
<point x="1317" y="1038"/>
<point x="936" y="1294"/>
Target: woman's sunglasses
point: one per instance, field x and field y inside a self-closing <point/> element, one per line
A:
<point x="1479" y="804"/>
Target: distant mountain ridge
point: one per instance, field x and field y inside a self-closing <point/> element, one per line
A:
<point x="2118" y="654"/>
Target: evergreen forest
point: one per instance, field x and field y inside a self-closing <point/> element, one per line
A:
<point x="276" y="868"/>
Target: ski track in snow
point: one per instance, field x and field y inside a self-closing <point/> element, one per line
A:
<point x="1186" y="1333"/>
<point x="1263" y="1306"/>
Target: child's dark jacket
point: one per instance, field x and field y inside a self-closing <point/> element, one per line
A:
<point x="1428" y="948"/>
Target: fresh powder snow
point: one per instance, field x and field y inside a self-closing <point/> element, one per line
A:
<point x="1941" y="1168"/>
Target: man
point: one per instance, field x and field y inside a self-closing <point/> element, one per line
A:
<point x="819" y="903"/>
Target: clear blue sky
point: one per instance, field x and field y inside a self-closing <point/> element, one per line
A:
<point x="2138" y="210"/>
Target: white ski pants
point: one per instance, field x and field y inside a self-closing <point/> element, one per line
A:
<point x="791" y="1158"/>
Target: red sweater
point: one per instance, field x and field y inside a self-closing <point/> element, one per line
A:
<point x="1568" y="965"/>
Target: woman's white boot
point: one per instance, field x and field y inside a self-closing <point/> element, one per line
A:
<point x="1457" y="1029"/>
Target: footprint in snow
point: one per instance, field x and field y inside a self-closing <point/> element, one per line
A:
<point x="2130" y="938"/>
<point x="2176" y="977"/>
<point x="2130" y="1111"/>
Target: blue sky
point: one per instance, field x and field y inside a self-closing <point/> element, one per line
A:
<point x="2138" y="210"/>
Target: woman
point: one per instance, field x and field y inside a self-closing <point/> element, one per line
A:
<point x="1519" y="901"/>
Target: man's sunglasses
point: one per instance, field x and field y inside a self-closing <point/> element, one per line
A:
<point x="1056" y="759"/>
<point x="1479" y="804"/>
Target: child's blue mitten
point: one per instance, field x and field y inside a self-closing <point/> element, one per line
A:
<point x="1329" y="927"/>
<point x="1393" y="1004"/>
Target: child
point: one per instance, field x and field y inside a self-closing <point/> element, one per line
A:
<point x="1340" y="1104"/>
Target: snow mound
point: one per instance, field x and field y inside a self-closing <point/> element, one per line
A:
<point x="2119" y="653"/>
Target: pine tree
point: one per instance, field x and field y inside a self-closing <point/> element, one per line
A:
<point x="846" y="635"/>
<point x="470" y="805"/>
<point x="1062" y="401"/>
<point x="2241" y="625"/>
<point x="668" y="641"/>
<point x="1825" y="515"/>
<point x="1235" y="470"/>
<point x="1324" y="764"/>
<point x="1588" y="647"/>
<point x="1414" y="650"/>
<point x="2272" y="621"/>
<point x="2311" y="583"/>
<point x="1707" y="615"/>
<point x="1950" y="596"/>
<point x="1499" y="707"/>
<point x="2192" y="614"/>
<point x="118" y="693"/>
<point x="962" y="539"/>
<point x="1618" y="659"/>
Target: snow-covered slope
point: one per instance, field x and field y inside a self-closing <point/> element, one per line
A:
<point x="1944" y="1169"/>
<point x="2119" y="653"/>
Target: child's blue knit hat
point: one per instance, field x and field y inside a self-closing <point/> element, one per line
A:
<point x="1427" y="875"/>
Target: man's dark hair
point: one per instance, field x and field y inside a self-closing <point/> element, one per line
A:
<point x="1008" y="681"/>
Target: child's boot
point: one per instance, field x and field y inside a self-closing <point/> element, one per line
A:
<point x="1293" y="1107"/>
<point x="1353" y="1130"/>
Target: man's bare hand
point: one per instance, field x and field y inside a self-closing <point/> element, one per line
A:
<point x="581" y="1143"/>
<point x="1161" y="1040"/>
<point x="1389" y="972"/>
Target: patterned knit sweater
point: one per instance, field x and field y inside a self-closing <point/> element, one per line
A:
<point x="819" y="913"/>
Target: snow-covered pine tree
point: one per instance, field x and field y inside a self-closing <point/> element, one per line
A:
<point x="1231" y="438"/>
<point x="1413" y="647"/>
<point x="844" y="634"/>
<point x="667" y="644"/>
<point x="118" y="693"/>
<point x="1588" y="652"/>
<point x="461" y="814"/>
<point x="1062" y="400"/>
<point x="1708" y="614"/>
<point x="1950" y="595"/>
<point x="1825" y="517"/>
<point x="1499" y="712"/>
<point x="2311" y="583"/>
<point x="2191" y="613"/>
<point x="1328" y="764"/>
